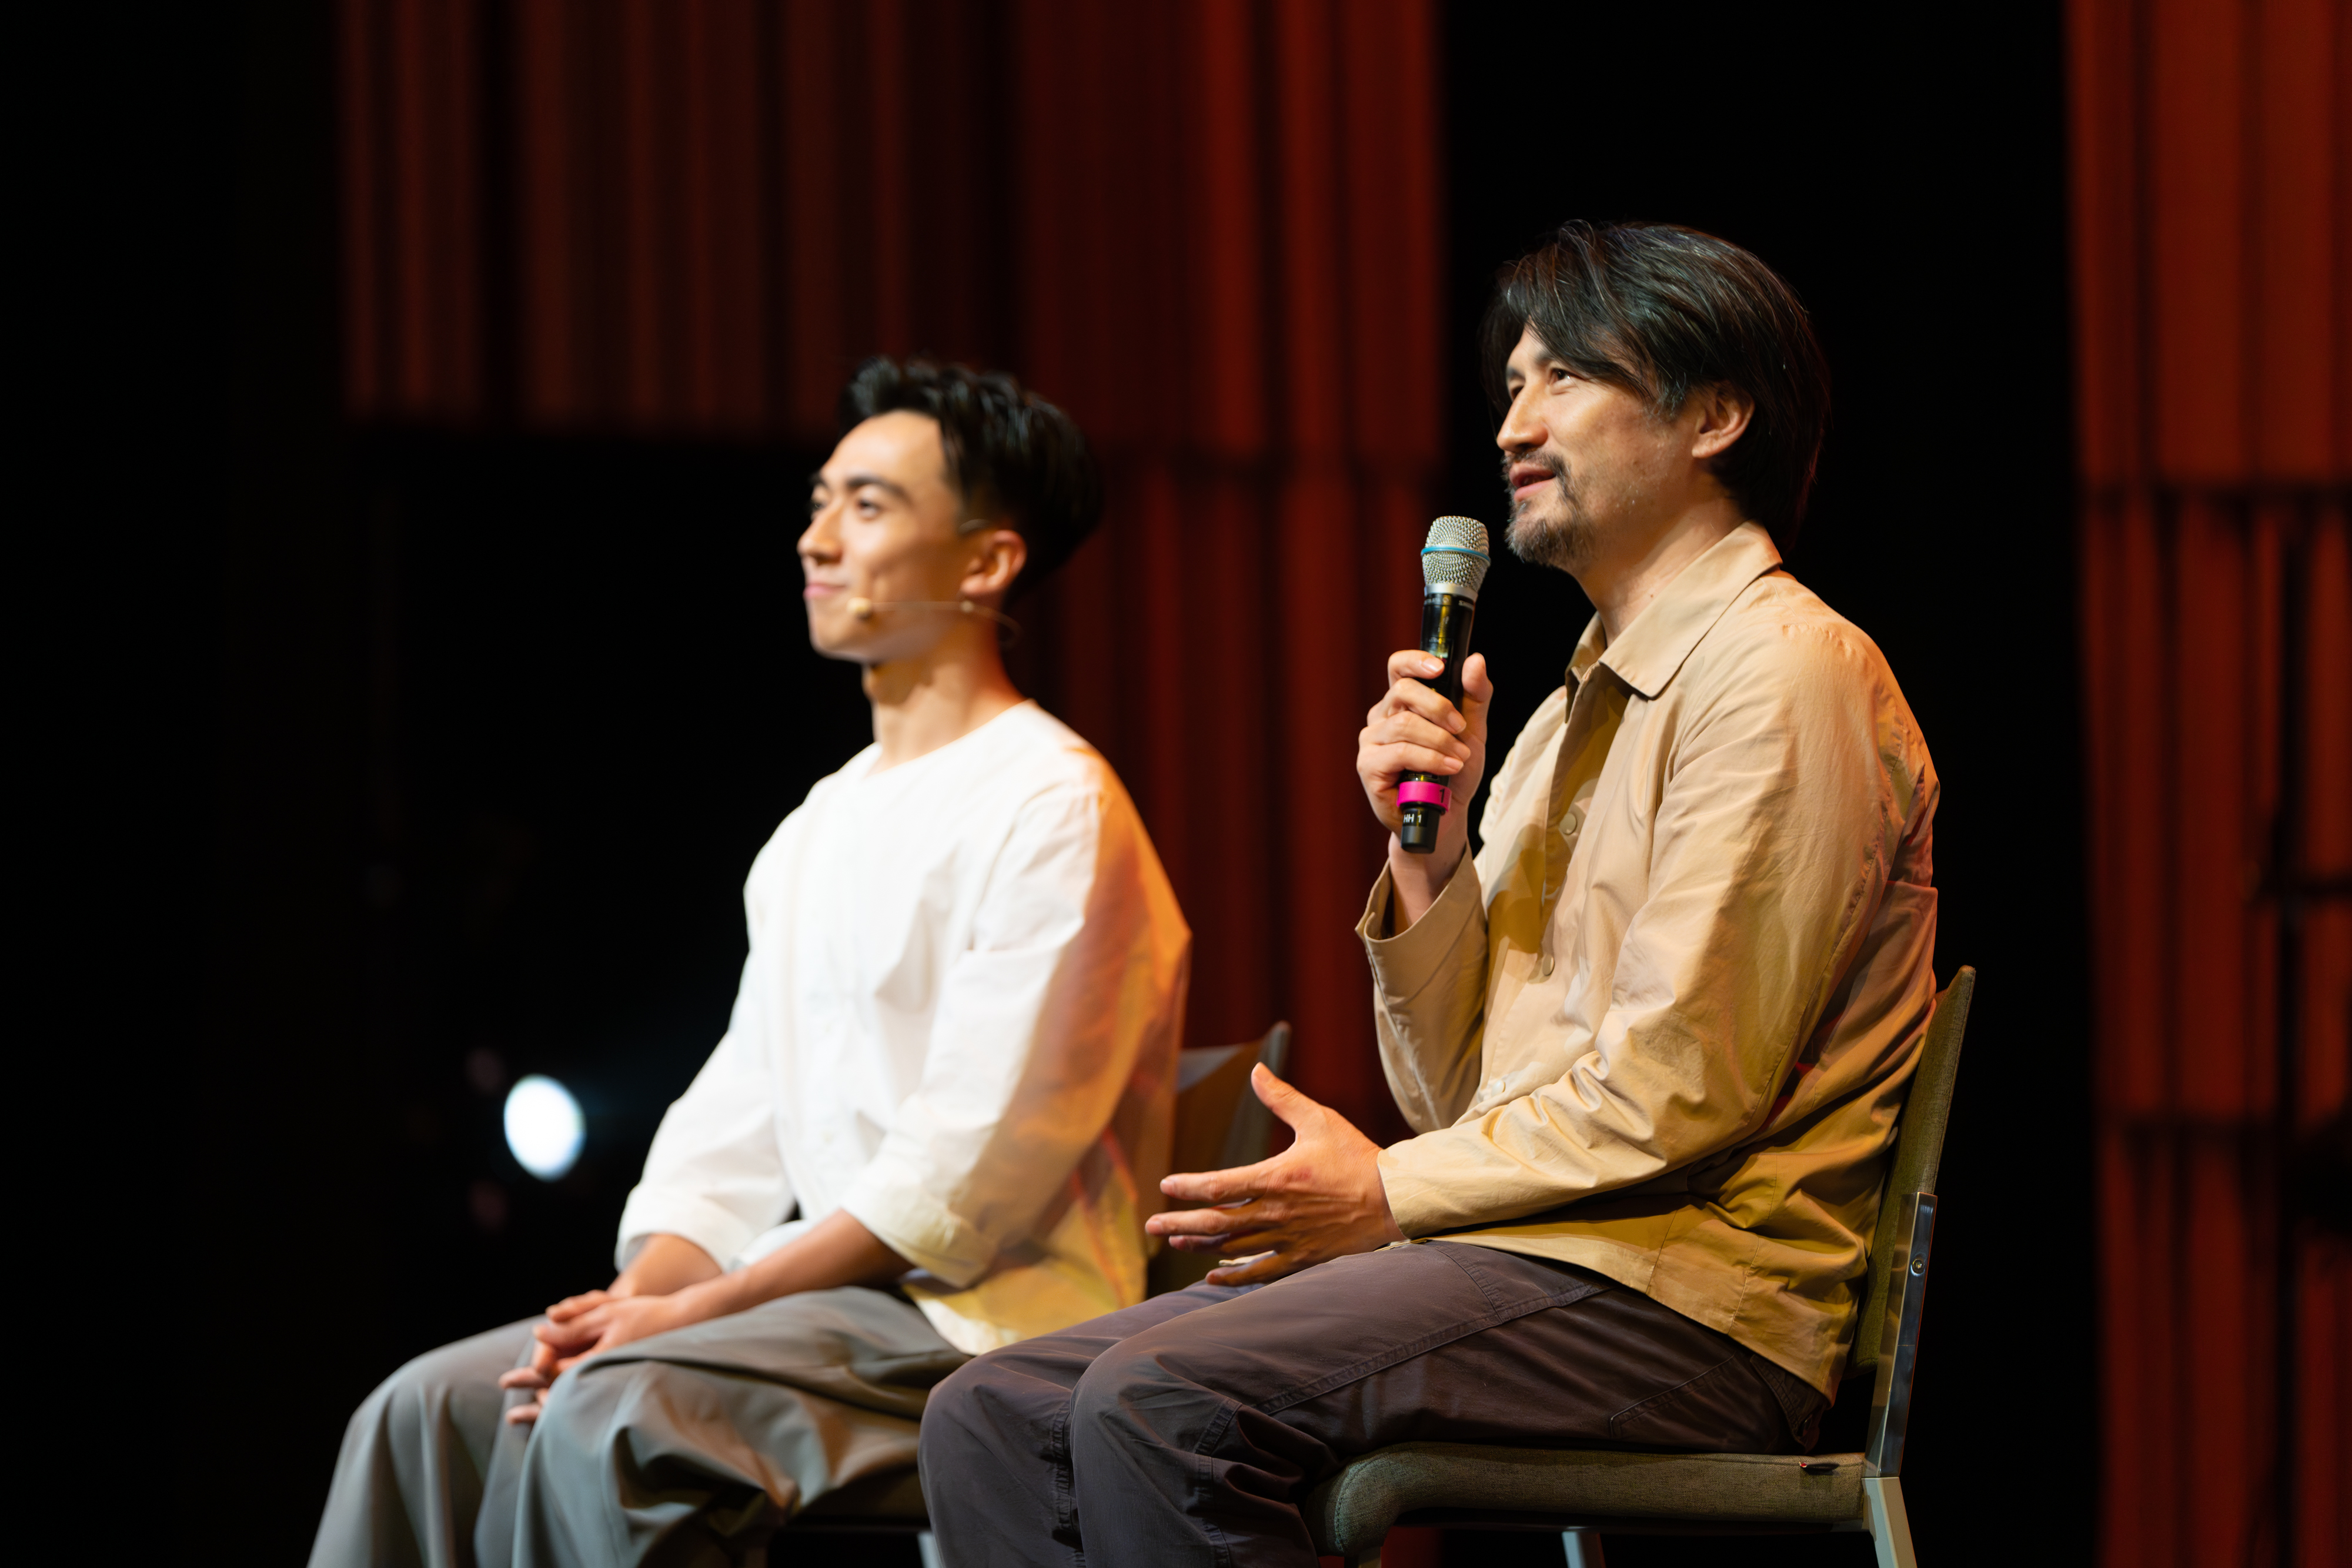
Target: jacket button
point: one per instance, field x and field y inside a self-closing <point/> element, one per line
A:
<point x="1544" y="967"/>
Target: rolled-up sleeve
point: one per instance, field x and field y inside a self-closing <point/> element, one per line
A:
<point x="1756" y="901"/>
<point x="1028" y="1055"/>
<point x="716" y="1174"/>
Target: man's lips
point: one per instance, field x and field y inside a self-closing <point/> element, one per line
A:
<point x="823" y="590"/>
<point x="1527" y="478"/>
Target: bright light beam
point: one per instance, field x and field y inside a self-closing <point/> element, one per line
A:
<point x="544" y="1127"/>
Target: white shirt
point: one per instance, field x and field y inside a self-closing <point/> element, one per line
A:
<point x="958" y="1021"/>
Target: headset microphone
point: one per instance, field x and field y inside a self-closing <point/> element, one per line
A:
<point x="861" y="608"/>
<point x="1454" y="563"/>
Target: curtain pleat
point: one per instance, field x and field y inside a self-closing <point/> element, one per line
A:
<point x="2213" y="308"/>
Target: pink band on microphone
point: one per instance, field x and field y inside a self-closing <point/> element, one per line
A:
<point x="1425" y="792"/>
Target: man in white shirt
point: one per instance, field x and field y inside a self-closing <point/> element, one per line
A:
<point x="936" y="1118"/>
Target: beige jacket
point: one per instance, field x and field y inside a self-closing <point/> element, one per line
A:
<point x="1662" y="1024"/>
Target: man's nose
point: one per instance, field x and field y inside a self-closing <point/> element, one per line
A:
<point x="1519" y="430"/>
<point x="818" y="541"/>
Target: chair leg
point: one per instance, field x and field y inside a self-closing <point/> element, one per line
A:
<point x="1583" y="1549"/>
<point x="1890" y="1527"/>
<point x="1370" y="1557"/>
<point x="928" y="1545"/>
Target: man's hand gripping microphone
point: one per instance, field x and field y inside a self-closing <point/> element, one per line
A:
<point x="1454" y="565"/>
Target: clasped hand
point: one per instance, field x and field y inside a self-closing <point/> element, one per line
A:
<point x="1320" y="1198"/>
<point x="578" y="1327"/>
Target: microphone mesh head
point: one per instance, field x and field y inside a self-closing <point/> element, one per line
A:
<point x="1455" y="555"/>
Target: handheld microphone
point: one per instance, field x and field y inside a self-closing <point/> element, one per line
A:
<point x="1454" y="563"/>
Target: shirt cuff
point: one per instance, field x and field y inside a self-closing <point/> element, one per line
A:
<point x="1423" y="1179"/>
<point x="919" y="1228"/>
<point x="717" y="1230"/>
<point x="1404" y="964"/>
<point x="1415" y="1202"/>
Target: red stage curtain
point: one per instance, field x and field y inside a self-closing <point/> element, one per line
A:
<point x="1210" y="230"/>
<point x="2213" y="284"/>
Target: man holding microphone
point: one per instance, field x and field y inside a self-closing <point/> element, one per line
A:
<point x="1653" y="1036"/>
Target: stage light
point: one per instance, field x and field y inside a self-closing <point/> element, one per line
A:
<point x="543" y="1126"/>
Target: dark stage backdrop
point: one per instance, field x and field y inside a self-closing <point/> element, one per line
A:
<point x="2212" y="229"/>
<point x="543" y="307"/>
<point x="1211" y="231"/>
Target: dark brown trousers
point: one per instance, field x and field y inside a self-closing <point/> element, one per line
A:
<point x="1188" y="1429"/>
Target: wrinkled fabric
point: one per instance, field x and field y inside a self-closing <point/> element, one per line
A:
<point x="691" y="1446"/>
<point x="1661" y="1025"/>
<point x="1190" y="1429"/>
<point x="426" y="1459"/>
<point x="698" y="1445"/>
<point x="958" y="1021"/>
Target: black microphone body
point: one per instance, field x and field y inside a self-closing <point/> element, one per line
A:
<point x="1446" y="622"/>
<point x="1453" y="568"/>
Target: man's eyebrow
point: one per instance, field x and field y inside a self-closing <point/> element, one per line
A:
<point x="858" y="480"/>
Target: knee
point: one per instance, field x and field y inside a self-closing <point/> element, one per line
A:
<point x="1140" y="1387"/>
<point x="984" y="1403"/>
<point x="954" y="1399"/>
<point x="956" y="1415"/>
<point x="1000" y="1405"/>
<point x="413" y="1399"/>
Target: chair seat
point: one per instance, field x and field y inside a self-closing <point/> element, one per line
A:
<point x="1351" y="1511"/>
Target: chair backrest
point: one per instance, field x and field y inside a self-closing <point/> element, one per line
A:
<point x="1249" y="1126"/>
<point x="1219" y="1124"/>
<point x="1886" y="1337"/>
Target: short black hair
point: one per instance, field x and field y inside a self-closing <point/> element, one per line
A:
<point x="1009" y="452"/>
<point x="1662" y="312"/>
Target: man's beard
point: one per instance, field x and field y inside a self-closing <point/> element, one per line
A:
<point x="1567" y="543"/>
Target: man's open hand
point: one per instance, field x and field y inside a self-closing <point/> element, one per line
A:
<point x="1318" y="1199"/>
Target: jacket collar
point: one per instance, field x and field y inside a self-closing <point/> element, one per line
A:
<point x="1663" y="635"/>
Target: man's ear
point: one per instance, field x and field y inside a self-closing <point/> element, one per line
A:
<point x="1722" y="415"/>
<point x="998" y="555"/>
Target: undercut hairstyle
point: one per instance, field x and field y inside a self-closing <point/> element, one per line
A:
<point x="1663" y="312"/>
<point x="1013" y="456"/>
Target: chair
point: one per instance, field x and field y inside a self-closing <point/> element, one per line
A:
<point x="1585" y="1492"/>
<point x="1219" y="1124"/>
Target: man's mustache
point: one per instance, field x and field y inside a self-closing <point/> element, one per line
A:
<point x="1550" y="463"/>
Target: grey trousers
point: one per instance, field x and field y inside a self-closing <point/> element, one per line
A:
<point x="1188" y="1429"/>
<point x="686" y="1448"/>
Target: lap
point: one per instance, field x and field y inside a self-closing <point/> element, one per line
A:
<point x="725" y="1428"/>
<point x="455" y="1385"/>
<point x="865" y="1348"/>
<point x="478" y="1358"/>
<point x="1435" y="1340"/>
<point x="1300" y="1338"/>
<point x="1059" y="1360"/>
